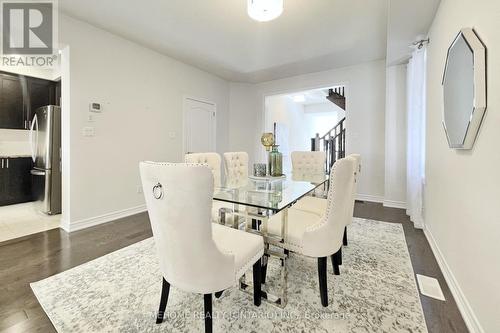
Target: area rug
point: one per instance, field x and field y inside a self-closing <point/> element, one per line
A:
<point x="120" y="292"/>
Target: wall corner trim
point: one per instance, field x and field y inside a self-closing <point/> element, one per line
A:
<point x="96" y="220"/>
<point x="463" y="305"/>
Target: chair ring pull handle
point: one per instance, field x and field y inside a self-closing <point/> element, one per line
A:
<point x="158" y="191"/>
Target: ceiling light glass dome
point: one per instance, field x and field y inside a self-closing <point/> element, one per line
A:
<point x="265" y="10"/>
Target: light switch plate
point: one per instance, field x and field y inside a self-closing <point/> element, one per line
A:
<point x="88" y="131"/>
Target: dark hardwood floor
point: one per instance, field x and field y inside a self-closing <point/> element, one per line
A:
<point x="440" y="316"/>
<point x="35" y="257"/>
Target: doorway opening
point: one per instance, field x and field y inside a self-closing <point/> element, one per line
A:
<point x="308" y="120"/>
<point x="30" y="151"/>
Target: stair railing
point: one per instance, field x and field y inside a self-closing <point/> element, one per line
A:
<point x="333" y="143"/>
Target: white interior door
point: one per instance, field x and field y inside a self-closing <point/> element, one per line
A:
<point x="199" y="126"/>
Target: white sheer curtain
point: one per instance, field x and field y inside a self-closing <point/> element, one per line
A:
<point x="416" y="108"/>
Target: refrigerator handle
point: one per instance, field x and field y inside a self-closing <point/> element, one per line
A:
<point x="34" y="144"/>
<point x="37" y="172"/>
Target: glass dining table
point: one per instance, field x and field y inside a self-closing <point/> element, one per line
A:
<point x="251" y="203"/>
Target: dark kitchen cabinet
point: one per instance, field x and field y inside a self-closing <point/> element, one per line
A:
<point x="20" y="96"/>
<point x="4" y="178"/>
<point x="15" y="180"/>
<point x="40" y="93"/>
<point x="12" y="99"/>
<point x="58" y="93"/>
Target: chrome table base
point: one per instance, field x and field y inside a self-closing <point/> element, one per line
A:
<point x="277" y="250"/>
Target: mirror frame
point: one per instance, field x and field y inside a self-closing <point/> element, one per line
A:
<point x="478" y="50"/>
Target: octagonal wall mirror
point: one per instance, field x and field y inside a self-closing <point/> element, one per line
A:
<point x="464" y="89"/>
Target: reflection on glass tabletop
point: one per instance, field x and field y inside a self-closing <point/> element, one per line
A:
<point x="274" y="194"/>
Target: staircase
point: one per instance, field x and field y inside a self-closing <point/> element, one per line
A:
<point x="333" y="143"/>
<point x="337" y="96"/>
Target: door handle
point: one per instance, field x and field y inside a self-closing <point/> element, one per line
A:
<point x="37" y="172"/>
<point x="2" y="163"/>
<point x="7" y="163"/>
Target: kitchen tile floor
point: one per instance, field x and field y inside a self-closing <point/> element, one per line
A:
<point x="24" y="219"/>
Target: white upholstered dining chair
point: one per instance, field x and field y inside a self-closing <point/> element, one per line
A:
<point x="195" y="255"/>
<point x="236" y="166"/>
<point x="319" y="235"/>
<point x="213" y="161"/>
<point x="318" y="205"/>
<point x="309" y="166"/>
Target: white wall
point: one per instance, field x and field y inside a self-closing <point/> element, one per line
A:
<point x="243" y="131"/>
<point x="282" y="109"/>
<point x="365" y="116"/>
<point x="321" y="117"/>
<point x="395" y="137"/>
<point x="302" y="122"/>
<point x="319" y="123"/>
<point x="463" y="187"/>
<point x="324" y="107"/>
<point x="142" y="94"/>
<point x="14" y="142"/>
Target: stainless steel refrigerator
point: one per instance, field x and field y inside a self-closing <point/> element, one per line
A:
<point x="45" y="140"/>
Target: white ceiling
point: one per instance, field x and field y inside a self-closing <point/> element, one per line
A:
<point x="316" y="96"/>
<point x="407" y="20"/>
<point x="218" y="36"/>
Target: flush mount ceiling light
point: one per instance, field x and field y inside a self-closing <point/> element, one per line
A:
<point x="265" y="10"/>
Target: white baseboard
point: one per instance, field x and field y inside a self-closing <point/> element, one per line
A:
<point x="463" y="305"/>
<point x="417" y="225"/>
<point x="369" y="197"/>
<point x="394" y="204"/>
<point x="96" y="220"/>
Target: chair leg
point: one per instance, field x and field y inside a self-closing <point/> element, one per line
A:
<point x="323" y="292"/>
<point x="344" y="241"/>
<point x="339" y="259"/>
<point x="165" y="289"/>
<point x="264" y="269"/>
<point x="207" y="300"/>
<point x="256" y="224"/>
<point x="218" y="294"/>
<point x="257" y="275"/>
<point x="335" y="263"/>
<point x="222" y="216"/>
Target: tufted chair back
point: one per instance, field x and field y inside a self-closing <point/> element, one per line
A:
<point x="212" y="160"/>
<point x="180" y="215"/>
<point x="325" y="238"/>
<point x="308" y="165"/>
<point x="236" y="165"/>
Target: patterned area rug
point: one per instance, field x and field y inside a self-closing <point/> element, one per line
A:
<point x="120" y="292"/>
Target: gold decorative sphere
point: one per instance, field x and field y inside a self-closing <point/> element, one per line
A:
<point x="267" y="140"/>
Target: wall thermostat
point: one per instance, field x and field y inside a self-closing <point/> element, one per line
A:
<point x="95" y="107"/>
